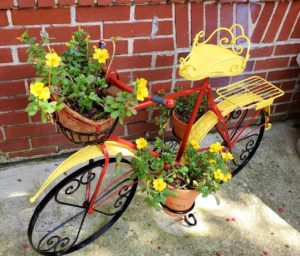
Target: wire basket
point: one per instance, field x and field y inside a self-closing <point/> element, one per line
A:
<point x="86" y="138"/>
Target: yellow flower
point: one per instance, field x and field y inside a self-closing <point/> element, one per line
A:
<point x="218" y="174"/>
<point x="141" y="143"/>
<point x="52" y="59"/>
<point x="101" y="55"/>
<point x="227" y="156"/>
<point x="142" y="90"/>
<point x="227" y="177"/>
<point x="212" y="161"/>
<point x="67" y="44"/>
<point x="39" y="90"/>
<point x="216" y="147"/>
<point x="159" y="185"/>
<point x="194" y="144"/>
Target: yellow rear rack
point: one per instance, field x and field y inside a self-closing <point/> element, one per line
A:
<point x="261" y="92"/>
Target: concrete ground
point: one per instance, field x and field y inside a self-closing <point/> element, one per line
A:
<point x="259" y="212"/>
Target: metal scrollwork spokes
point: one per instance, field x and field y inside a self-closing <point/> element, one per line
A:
<point x="61" y="224"/>
<point x="246" y="128"/>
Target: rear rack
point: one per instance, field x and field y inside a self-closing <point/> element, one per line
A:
<point x="261" y="92"/>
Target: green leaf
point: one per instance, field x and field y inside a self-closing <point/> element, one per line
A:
<point x="118" y="170"/>
<point x="119" y="157"/>
<point x="114" y="114"/>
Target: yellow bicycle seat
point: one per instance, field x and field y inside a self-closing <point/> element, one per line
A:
<point x="224" y="59"/>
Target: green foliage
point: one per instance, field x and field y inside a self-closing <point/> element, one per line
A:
<point x="78" y="78"/>
<point x="197" y="171"/>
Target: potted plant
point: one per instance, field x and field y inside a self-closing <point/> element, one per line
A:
<point x="183" y="110"/>
<point x="177" y="184"/>
<point x="74" y="87"/>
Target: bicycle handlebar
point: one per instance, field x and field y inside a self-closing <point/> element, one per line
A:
<point x="169" y="103"/>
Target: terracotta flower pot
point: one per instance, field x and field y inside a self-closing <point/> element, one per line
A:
<point x="182" y="201"/>
<point x="80" y="129"/>
<point x="178" y="126"/>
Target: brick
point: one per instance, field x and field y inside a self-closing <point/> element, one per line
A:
<point x="46" y="3"/>
<point x="255" y="10"/>
<point x="26" y="3"/>
<point x="13" y="118"/>
<point x="296" y="32"/>
<point x="86" y="2"/>
<point x="14" y="145"/>
<point x="242" y="14"/>
<point x="293" y="62"/>
<point x="262" y="52"/>
<point x="6" y="4"/>
<point x="182" y="25"/>
<point x="134" y="29"/>
<point x="262" y="21"/>
<point x="69" y="147"/>
<point x="164" y="60"/>
<point x="121" y="47"/>
<point x="272" y="63"/>
<point x="165" y="28"/>
<point x="161" y="87"/>
<point x="219" y="81"/>
<point x="154" y="75"/>
<point x="66" y="2"/>
<point x="3" y="19"/>
<point x="226" y="15"/>
<point x="211" y="17"/>
<point x="12" y="88"/>
<point x="5" y="55"/>
<point x="281" y="108"/>
<point x="116" y="13"/>
<point x="1" y="136"/>
<point x="283" y="74"/>
<point x="46" y="141"/>
<point x="141" y="128"/>
<point x="296" y="96"/>
<point x="289" y="21"/>
<point x="275" y="22"/>
<point x="284" y="98"/>
<point x="122" y="1"/>
<point x="150" y="11"/>
<point x="104" y="2"/>
<point x="294" y="107"/>
<point x="196" y="18"/>
<point x="63" y="34"/>
<point x="288" y="86"/>
<point x="34" y="152"/>
<point x="185" y="84"/>
<point x="29" y="130"/>
<point x="249" y="66"/>
<point x="8" y="36"/>
<point x="118" y="131"/>
<point x="150" y="45"/>
<point x="16" y="72"/>
<point x="287" y="49"/>
<point x="41" y="16"/>
<point x="128" y="62"/>
<point x="12" y="104"/>
<point x="140" y="116"/>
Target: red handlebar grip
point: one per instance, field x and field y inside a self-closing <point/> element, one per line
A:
<point x="170" y="103"/>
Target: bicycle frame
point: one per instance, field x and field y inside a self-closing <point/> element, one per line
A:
<point x="203" y="89"/>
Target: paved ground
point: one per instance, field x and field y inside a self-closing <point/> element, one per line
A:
<point x="259" y="212"/>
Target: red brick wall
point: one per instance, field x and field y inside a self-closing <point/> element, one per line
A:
<point x="155" y="34"/>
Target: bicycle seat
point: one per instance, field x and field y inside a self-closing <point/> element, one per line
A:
<point x="209" y="60"/>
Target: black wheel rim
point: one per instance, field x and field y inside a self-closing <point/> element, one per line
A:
<point x="70" y="185"/>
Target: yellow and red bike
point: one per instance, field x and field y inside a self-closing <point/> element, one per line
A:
<point x="86" y="203"/>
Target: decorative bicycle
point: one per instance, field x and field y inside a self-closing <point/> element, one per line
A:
<point x="86" y="203"/>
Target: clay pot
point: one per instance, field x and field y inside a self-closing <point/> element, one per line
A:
<point x="182" y="201"/>
<point x="80" y="129"/>
<point x="178" y="126"/>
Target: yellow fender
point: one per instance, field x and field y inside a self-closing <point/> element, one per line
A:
<point x="268" y="125"/>
<point x="81" y="156"/>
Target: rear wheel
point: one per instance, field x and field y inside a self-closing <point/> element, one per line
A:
<point x="60" y="224"/>
<point x="246" y="129"/>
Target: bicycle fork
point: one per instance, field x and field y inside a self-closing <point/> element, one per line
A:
<point x="91" y="209"/>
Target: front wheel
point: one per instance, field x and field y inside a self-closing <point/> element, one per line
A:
<point x="61" y="224"/>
